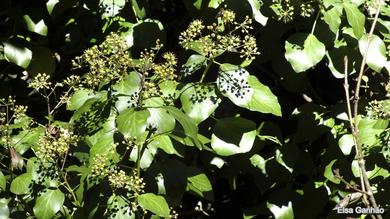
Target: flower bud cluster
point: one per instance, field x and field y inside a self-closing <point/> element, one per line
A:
<point x="133" y="184"/>
<point x="55" y="143"/>
<point x="11" y="113"/>
<point x="226" y="35"/>
<point x="286" y="9"/>
<point x="193" y="31"/>
<point x="108" y="61"/>
<point x="40" y="82"/>
<point x="379" y="109"/>
<point x="102" y="163"/>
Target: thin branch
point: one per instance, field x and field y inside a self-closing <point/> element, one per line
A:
<point x="351" y="123"/>
<point x="355" y="129"/>
<point x="338" y="176"/>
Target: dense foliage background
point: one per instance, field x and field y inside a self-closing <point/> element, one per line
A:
<point x="194" y="109"/>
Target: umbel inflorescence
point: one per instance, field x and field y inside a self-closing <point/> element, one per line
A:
<point x="226" y="35"/>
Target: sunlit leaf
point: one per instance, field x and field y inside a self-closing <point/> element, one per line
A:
<point x="199" y="184"/>
<point x="233" y="136"/>
<point x="355" y="18"/>
<point x="78" y="98"/>
<point x="38" y="27"/>
<point x="259" y="17"/>
<point x="199" y="101"/>
<point x="329" y="172"/>
<point x="20" y="185"/>
<point x="138" y="11"/>
<point x="3" y="182"/>
<point x="190" y="129"/>
<point x="4" y="210"/>
<point x="154" y="203"/>
<point x="48" y="203"/>
<point x="246" y="90"/>
<point x="18" y="55"/>
<point x="332" y="18"/>
<point x="369" y="130"/>
<point x="259" y="162"/>
<point x="346" y="143"/>
<point x="119" y="208"/>
<point x="306" y="57"/>
<point x="283" y="212"/>
<point x="126" y="91"/>
<point x="132" y="123"/>
<point x="376" y="53"/>
<point x="194" y="63"/>
<point x="50" y="5"/>
<point x="111" y="8"/>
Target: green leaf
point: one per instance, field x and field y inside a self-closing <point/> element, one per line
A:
<point x="370" y="129"/>
<point x="91" y="107"/>
<point x="38" y="27"/>
<point x="355" y="18"/>
<point x="194" y="63"/>
<point x="199" y="101"/>
<point x="3" y="182"/>
<point x="214" y="3"/>
<point x="302" y="59"/>
<point x="246" y="91"/>
<point x="48" y="203"/>
<point x="154" y="203"/>
<point x="263" y="100"/>
<point x="346" y="143"/>
<point x="119" y="208"/>
<point x="376" y="53"/>
<point x="227" y="149"/>
<point x="111" y="8"/>
<point x="198" y="4"/>
<point x="17" y="55"/>
<point x="159" y="118"/>
<point x="147" y="156"/>
<point x="51" y="4"/>
<point x="168" y="89"/>
<point x="329" y="172"/>
<point x="139" y="12"/>
<point x="259" y="162"/>
<point x="259" y="17"/>
<point x="132" y="123"/>
<point x="190" y="129"/>
<point x="164" y="143"/>
<point x="126" y="91"/>
<point x="233" y="136"/>
<point x="26" y="139"/>
<point x="284" y="212"/>
<point x="199" y="184"/>
<point x="332" y="18"/>
<point x="4" y="210"/>
<point x="78" y="98"/>
<point x="20" y="185"/>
